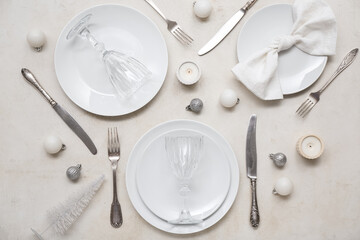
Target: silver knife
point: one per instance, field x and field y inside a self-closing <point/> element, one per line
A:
<point x="70" y="121"/>
<point x="251" y="170"/>
<point x="226" y="28"/>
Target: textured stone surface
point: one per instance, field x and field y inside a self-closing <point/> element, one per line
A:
<point x="325" y="201"/>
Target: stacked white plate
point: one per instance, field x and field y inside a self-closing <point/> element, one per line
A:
<point x="154" y="189"/>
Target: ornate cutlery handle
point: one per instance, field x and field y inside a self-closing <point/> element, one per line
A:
<point x="254" y="213"/>
<point x="349" y="58"/>
<point x="248" y="5"/>
<point x="116" y="218"/>
<point x="31" y="79"/>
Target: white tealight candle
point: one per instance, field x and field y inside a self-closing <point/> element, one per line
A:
<point x="310" y="147"/>
<point x="188" y="73"/>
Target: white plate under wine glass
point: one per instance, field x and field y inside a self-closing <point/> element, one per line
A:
<point x="153" y="188"/>
<point x="82" y="74"/>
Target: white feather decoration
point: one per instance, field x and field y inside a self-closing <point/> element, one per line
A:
<point x="63" y="216"/>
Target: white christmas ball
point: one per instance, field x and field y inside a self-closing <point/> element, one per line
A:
<point x="228" y="98"/>
<point x="202" y="8"/>
<point x="53" y="144"/>
<point x="36" y="38"/>
<point x="283" y="186"/>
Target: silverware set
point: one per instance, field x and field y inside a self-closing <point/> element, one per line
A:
<point x="314" y="97"/>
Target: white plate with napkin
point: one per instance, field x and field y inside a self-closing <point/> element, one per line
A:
<point x="283" y="48"/>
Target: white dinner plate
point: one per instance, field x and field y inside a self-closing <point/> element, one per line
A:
<point x="297" y="70"/>
<point x="159" y="188"/>
<point x="81" y="72"/>
<point x="145" y="144"/>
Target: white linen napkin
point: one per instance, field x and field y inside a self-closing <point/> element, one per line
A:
<point x="314" y="32"/>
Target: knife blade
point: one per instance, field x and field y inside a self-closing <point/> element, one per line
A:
<point x="226" y="28"/>
<point x="251" y="165"/>
<point x="251" y="156"/>
<point x="67" y="118"/>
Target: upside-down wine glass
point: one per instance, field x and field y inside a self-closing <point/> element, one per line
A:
<point x="184" y="153"/>
<point x="126" y="74"/>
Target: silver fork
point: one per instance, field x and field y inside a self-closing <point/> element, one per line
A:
<point x="172" y="26"/>
<point x="116" y="218"/>
<point x="314" y="97"/>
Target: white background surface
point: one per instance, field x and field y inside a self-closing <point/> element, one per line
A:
<point x="324" y="204"/>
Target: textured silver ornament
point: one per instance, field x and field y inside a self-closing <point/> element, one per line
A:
<point x="73" y="172"/>
<point x="195" y="105"/>
<point x="279" y="159"/>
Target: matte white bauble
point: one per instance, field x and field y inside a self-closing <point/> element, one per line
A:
<point x="202" y="8"/>
<point x="283" y="186"/>
<point x="36" y="39"/>
<point x="53" y="144"/>
<point x="229" y="98"/>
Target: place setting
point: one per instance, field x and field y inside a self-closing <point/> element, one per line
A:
<point x="182" y="176"/>
<point x="164" y="157"/>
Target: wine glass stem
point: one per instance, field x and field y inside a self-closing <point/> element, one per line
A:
<point x="99" y="46"/>
<point x="185" y="213"/>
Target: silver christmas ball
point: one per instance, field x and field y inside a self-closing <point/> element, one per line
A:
<point x="279" y="159"/>
<point x="73" y="172"/>
<point x="195" y="105"/>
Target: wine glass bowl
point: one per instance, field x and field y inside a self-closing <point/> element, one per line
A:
<point x="126" y="73"/>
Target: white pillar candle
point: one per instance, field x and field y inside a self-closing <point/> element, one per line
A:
<point x="188" y="73"/>
<point x="310" y="147"/>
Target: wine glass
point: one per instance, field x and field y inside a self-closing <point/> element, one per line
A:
<point x="126" y="74"/>
<point x="184" y="154"/>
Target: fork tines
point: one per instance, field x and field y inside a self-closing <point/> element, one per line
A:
<point x="181" y="36"/>
<point x="305" y="107"/>
<point x="113" y="141"/>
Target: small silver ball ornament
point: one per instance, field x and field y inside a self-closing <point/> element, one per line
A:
<point x="279" y="159"/>
<point x="73" y="172"/>
<point x="195" y="105"/>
